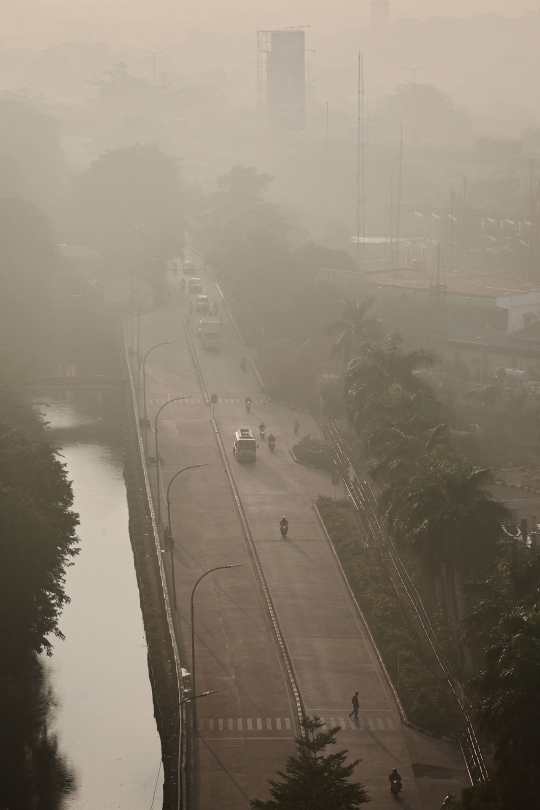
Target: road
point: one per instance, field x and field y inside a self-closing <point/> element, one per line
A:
<point x="246" y="730"/>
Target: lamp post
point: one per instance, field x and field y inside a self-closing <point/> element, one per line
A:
<point x="139" y="329"/>
<point x="187" y="700"/>
<point x="158" y="477"/>
<point x="168" y="531"/>
<point x="145" y="416"/>
<point x="219" y="568"/>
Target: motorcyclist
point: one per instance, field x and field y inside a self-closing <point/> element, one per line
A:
<point x="394" y="777"/>
<point x="183" y="284"/>
<point x="448" y="799"/>
<point x="262" y="428"/>
<point x="284" y="523"/>
<point x="248" y="403"/>
<point x="271" y="438"/>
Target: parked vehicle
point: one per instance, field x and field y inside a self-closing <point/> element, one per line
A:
<point x="245" y="446"/>
<point x="201" y="304"/>
<point x="210" y="333"/>
<point x="188" y="268"/>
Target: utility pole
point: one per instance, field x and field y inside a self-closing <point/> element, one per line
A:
<point x="464" y="230"/>
<point x="360" y="171"/>
<point x="437" y="292"/>
<point x="414" y="70"/>
<point x="532" y="215"/>
<point x="452" y="216"/>
<point x="154" y="54"/>
<point x="398" y="205"/>
<point x="325" y="173"/>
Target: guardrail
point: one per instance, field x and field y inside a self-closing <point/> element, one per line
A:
<point x="164" y="593"/>
<point x="364" y="499"/>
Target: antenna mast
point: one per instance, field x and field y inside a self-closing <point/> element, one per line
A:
<point x="360" y="190"/>
<point x="398" y="207"/>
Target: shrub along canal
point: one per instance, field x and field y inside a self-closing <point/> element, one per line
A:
<point x="99" y="675"/>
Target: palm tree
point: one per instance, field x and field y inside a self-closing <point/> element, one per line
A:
<point x="396" y="452"/>
<point x="354" y="328"/>
<point x="375" y="381"/>
<point x="446" y="517"/>
<point x="509" y="710"/>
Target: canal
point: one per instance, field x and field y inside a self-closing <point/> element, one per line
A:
<point x="99" y="674"/>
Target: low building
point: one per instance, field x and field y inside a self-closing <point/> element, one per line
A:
<point x="489" y="322"/>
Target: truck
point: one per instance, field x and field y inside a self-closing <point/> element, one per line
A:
<point x="210" y="332"/>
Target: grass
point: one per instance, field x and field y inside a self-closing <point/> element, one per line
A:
<point x="418" y="690"/>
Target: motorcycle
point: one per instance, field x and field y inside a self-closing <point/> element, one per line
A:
<point x="395" y="788"/>
<point x="272" y="445"/>
<point x="262" y="430"/>
<point x="284" y="528"/>
<point x="248" y="405"/>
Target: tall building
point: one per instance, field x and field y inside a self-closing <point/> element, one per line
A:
<point x="380" y="15"/>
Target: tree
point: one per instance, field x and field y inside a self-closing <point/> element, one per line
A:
<point x="31" y="157"/>
<point x="314" y="780"/>
<point x="27" y="258"/>
<point x="355" y="327"/>
<point x="435" y="112"/>
<point x="37" y="541"/>
<point x="369" y="380"/>
<point x="508" y="709"/>
<point x="131" y="202"/>
<point x="245" y="238"/>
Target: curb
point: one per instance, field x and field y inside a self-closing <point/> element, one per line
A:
<point x="237" y="330"/>
<point x="404" y="720"/>
<point x="306" y="464"/>
<point x="257" y="375"/>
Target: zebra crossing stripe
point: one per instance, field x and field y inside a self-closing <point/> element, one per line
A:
<point x="257" y="724"/>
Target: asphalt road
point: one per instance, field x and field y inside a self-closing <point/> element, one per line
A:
<point x="245" y="731"/>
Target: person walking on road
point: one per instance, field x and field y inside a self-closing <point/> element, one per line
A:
<point x="296" y="427"/>
<point x="355" y="706"/>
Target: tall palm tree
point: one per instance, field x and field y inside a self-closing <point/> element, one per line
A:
<point x="396" y="452"/>
<point x="449" y="520"/>
<point x="370" y="379"/>
<point x="354" y="327"/>
<point x="509" y="710"/>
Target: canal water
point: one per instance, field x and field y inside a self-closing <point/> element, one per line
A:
<point x="99" y="674"/>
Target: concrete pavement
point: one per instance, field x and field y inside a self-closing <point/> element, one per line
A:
<point x="246" y="730"/>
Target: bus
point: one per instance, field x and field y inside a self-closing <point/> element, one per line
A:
<point x="245" y="446"/>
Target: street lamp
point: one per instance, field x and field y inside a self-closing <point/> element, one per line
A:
<point x="219" y="568"/>
<point x="168" y="532"/>
<point x="186" y="700"/>
<point x="145" y="416"/>
<point x="175" y="399"/>
<point x="139" y="328"/>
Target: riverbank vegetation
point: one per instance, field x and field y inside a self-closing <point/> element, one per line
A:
<point x="37" y="527"/>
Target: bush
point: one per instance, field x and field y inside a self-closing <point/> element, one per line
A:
<point x="311" y="451"/>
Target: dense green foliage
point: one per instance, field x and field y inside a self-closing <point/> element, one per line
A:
<point x="37" y="542"/>
<point x="129" y="205"/>
<point x="313" y="779"/>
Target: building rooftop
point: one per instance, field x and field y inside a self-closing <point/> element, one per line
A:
<point x="457" y="283"/>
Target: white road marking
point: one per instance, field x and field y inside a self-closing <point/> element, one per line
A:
<point x="278" y="724"/>
<point x="220" y="725"/>
<point x="259" y="724"/>
<point x="249" y="724"/>
<point x="342" y="723"/>
<point x="240" y="724"/>
<point x="269" y="723"/>
<point x="230" y="724"/>
<point x="381" y="724"/>
<point x="371" y="724"/>
<point x="287" y="724"/>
